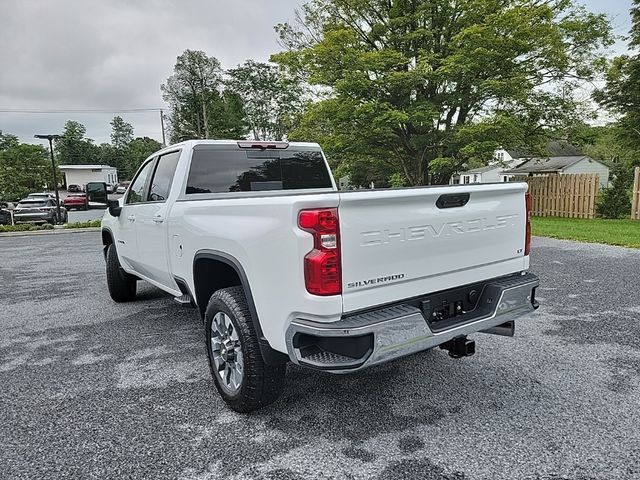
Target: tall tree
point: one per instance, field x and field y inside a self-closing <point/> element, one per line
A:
<point x="73" y="148"/>
<point x="272" y="98"/>
<point x="621" y="93"/>
<point x="420" y="87"/>
<point x="121" y="133"/>
<point x="24" y="169"/>
<point x="194" y="93"/>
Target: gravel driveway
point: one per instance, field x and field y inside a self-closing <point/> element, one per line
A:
<point x="92" y="389"/>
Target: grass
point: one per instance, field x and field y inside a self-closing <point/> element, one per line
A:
<point x="30" y="227"/>
<point x="624" y="233"/>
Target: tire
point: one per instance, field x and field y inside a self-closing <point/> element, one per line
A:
<point x="53" y="220"/>
<point x="122" y="286"/>
<point x="259" y="384"/>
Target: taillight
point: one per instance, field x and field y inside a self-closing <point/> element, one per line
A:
<point x="527" y="237"/>
<point x="322" y="267"/>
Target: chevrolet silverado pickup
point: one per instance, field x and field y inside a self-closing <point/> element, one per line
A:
<point x="283" y="267"/>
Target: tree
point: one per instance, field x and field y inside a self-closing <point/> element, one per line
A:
<point x="621" y="93"/>
<point x="421" y="87"/>
<point x="7" y="140"/>
<point x="121" y="133"/>
<point x="24" y="169"/>
<point x="137" y="151"/>
<point x="272" y="98"/>
<point x="73" y="148"/>
<point x="194" y="94"/>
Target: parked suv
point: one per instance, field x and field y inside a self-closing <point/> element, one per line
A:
<point x="36" y="210"/>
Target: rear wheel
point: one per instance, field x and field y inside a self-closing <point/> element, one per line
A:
<point x="245" y="382"/>
<point x="122" y="285"/>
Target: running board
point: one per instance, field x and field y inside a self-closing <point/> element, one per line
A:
<point x="184" y="300"/>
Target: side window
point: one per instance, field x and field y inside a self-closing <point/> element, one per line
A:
<point x="163" y="176"/>
<point x="136" y="192"/>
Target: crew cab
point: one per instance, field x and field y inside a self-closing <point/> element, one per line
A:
<point x="283" y="267"/>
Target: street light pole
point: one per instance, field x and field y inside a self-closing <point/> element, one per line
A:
<point x="51" y="138"/>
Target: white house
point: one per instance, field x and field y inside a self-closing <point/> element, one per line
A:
<point x="82" y="174"/>
<point x="562" y="165"/>
<point x="494" y="172"/>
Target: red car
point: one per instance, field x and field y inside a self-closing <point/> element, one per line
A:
<point x="76" y="200"/>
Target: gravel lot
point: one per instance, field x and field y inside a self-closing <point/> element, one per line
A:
<point x="92" y="389"/>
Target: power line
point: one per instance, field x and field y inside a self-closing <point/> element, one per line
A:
<point x="79" y="110"/>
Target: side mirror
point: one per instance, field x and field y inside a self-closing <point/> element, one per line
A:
<point x="97" y="192"/>
<point x="114" y="208"/>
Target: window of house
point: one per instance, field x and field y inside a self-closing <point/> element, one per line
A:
<point x="466" y="178"/>
<point x="475" y="178"/>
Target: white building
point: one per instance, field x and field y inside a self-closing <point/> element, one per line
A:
<point x="562" y="165"/>
<point x="83" y="174"/>
<point x="494" y="172"/>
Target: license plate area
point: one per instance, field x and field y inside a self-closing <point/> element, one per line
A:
<point x="443" y="309"/>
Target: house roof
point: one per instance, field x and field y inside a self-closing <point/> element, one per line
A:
<point x="484" y="169"/>
<point x="549" y="164"/>
<point x="84" y="167"/>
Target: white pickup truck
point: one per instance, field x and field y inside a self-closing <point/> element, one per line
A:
<point x="284" y="267"/>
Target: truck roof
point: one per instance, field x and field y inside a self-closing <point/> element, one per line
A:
<point x="235" y="142"/>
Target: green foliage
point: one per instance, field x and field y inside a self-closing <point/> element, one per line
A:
<point x="121" y="133"/>
<point x="136" y="152"/>
<point x="425" y="87"/>
<point x="615" y="201"/>
<point x="272" y="98"/>
<point x="7" y="140"/>
<point x="621" y="93"/>
<point x="397" y="180"/>
<point x="25" y="227"/>
<point x="23" y="169"/>
<point x="199" y="107"/>
<point x="73" y="148"/>
<point x="87" y="224"/>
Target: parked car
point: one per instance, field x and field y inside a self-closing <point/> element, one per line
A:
<point x="42" y="195"/>
<point x="122" y="187"/>
<point x="78" y="201"/>
<point x="73" y="188"/>
<point x="284" y="267"/>
<point x="37" y="210"/>
<point x="5" y="213"/>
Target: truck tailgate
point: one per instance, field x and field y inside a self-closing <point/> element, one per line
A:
<point x="398" y="244"/>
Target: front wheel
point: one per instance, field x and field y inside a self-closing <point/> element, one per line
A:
<point x="245" y="382"/>
<point x="122" y="285"/>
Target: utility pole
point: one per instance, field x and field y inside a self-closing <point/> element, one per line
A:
<point x="164" y="143"/>
<point x="51" y="138"/>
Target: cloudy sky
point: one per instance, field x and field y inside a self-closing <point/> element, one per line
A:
<point x="115" y="54"/>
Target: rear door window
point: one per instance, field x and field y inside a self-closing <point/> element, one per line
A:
<point x="216" y="170"/>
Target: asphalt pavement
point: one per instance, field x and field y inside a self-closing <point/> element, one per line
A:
<point x="94" y="389"/>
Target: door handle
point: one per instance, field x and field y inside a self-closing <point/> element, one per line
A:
<point x="158" y="219"/>
<point x="131" y="218"/>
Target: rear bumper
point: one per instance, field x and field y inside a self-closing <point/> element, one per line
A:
<point x="32" y="217"/>
<point x="377" y="336"/>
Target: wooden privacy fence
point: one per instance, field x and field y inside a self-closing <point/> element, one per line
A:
<point x="571" y="195"/>
<point x="635" y="199"/>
